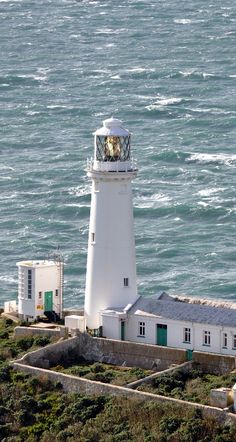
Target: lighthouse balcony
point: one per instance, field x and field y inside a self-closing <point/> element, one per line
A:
<point x="109" y="166"/>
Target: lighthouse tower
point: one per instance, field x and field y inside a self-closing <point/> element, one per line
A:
<point x="111" y="262"/>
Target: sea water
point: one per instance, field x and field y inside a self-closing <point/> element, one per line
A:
<point x="167" y="69"/>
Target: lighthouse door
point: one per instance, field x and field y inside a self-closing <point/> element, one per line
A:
<point x="162" y="334"/>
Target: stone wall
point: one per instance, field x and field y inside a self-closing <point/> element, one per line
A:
<point x="58" y="332"/>
<point x="213" y="363"/>
<point x="121" y="353"/>
<point x="83" y="386"/>
<point x="52" y="354"/>
<point x="129" y="353"/>
<point x="185" y="367"/>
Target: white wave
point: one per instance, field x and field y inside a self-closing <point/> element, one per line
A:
<point x="115" y="77"/>
<point x="140" y="69"/>
<point x="77" y="205"/>
<point x="7" y="278"/>
<point x="8" y="197"/>
<point x="80" y="191"/>
<point x="205" y="158"/>
<point x="161" y="102"/>
<point x="110" y="31"/>
<point x="152" y="201"/>
<point x="35" y="77"/>
<point x="187" y="73"/>
<point x="203" y="204"/>
<point x="183" y="21"/>
<point x="4" y="167"/>
<point x="208" y="192"/>
<point x="32" y="112"/>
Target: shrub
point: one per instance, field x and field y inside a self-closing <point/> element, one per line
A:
<point x="97" y="368"/>
<point x="25" y="343"/>
<point x="139" y="373"/>
<point x="42" y="340"/>
<point x="4" y="373"/>
<point x="4" y="334"/>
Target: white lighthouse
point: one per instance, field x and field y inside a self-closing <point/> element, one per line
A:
<point x="111" y="263"/>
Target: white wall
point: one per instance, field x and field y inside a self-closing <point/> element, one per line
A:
<point x="111" y="327"/>
<point x="175" y="334"/>
<point x="45" y="278"/>
<point x="111" y="257"/>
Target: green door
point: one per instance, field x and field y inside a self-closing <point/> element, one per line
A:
<point x="122" y="330"/>
<point x="48" y="301"/>
<point x="162" y="334"/>
<point x="189" y="354"/>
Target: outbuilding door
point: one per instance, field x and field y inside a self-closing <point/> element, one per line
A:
<point x="48" y="301"/>
<point x="162" y="334"/>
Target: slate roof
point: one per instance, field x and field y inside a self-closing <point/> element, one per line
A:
<point x="164" y="307"/>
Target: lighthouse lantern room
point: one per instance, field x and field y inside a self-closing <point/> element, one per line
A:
<point x="111" y="262"/>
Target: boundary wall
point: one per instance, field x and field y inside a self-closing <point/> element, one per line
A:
<point x="121" y="353"/>
<point x="75" y="384"/>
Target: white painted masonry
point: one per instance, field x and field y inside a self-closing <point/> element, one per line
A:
<point x="111" y="261"/>
<point x="215" y="335"/>
<point x="35" y="280"/>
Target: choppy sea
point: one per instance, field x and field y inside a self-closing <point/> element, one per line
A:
<point x="167" y="69"/>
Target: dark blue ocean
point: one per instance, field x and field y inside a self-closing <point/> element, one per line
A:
<point x="167" y="69"/>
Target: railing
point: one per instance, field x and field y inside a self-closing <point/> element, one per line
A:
<point x="111" y="166"/>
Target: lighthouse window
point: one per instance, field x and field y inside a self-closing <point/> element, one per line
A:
<point x="126" y="282"/>
<point x="141" y="328"/>
<point x="92" y="237"/>
<point x="56" y="292"/>
<point x="40" y="295"/>
<point x="112" y="148"/>
<point x="29" y="284"/>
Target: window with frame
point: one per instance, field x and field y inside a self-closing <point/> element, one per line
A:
<point x="234" y="341"/>
<point x="56" y="292"/>
<point x="206" y="337"/>
<point x="126" y="282"/>
<point x="225" y="340"/>
<point x="187" y="335"/>
<point x="29" y="284"/>
<point x="40" y="295"/>
<point x="141" y="328"/>
<point x="92" y="237"/>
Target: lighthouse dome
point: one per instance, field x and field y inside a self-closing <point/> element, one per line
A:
<point x="112" y="127"/>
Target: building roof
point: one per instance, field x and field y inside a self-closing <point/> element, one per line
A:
<point x="37" y="263"/>
<point x="165" y="307"/>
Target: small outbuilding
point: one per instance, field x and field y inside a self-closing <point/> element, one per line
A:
<point x="40" y="289"/>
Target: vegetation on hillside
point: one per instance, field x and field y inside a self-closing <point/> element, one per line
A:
<point x="96" y="371"/>
<point x="194" y="386"/>
<point x="33" y="409"/>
